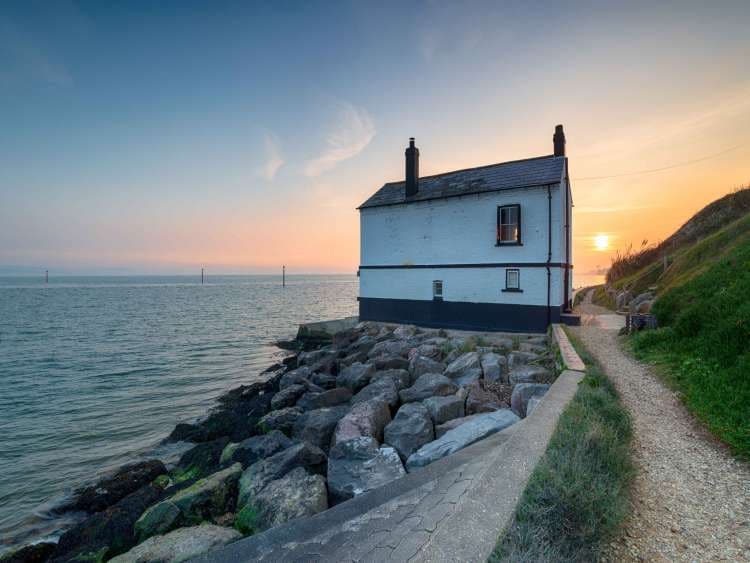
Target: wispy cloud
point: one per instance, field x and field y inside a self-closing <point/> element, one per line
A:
<point x="351" y="132"/>
<point x="274" y="160"/>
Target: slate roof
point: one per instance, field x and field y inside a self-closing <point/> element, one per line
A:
<point x="530" y="172"/>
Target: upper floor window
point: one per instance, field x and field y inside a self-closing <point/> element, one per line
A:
<point x="509" y="224"/>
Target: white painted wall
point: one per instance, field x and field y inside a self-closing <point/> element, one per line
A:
<point x="461" y="230"/>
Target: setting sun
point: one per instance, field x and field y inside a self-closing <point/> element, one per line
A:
<point x="601" y="242"/>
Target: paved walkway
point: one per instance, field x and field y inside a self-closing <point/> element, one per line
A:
<point x="452" y="510"/>
<point x="691" y="498"/>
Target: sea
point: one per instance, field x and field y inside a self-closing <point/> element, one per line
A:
<point x="96" y="371"/>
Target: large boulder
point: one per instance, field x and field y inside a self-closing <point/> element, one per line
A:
<point x="382" y="389"/>
<point x="410" y="429"/>
<point x="205" y="499"/>
<point x="532" y="404"/>
<point x="282" y="420"/>
<point x="399" y="376"/>
<point x="325" y="381"/>
<point x="344" y="338"/>
<point x="353" y="358"/>
<point x="201" y="459"/>
<point x="420" y="365"/>
<point x="355" y="376"/>
<point x="316" y="427"/>
<point x="332" y="398"/>
<point x="296" y="495"/>
<point x="623" y="299"/>
<point x="484" y="397"/>
<point x="493" y="366"/>
<point x="299" y="376"/>
<point x="180" y="545"/>
<point x="251" y="450"/>
<point x="109" y="490"/>
<point x="464" y="435"/>
<point x="441" y="429"/>
<point x="443" y="409"/>
<point x="467" y="366"/>
<point x="362" y="345"/>
<point x="391" y="362"/>
<point x="529" y="374"/>
<point x="262" y="472"/>
<point x="37" y="552"/>
<point x="390" y="348"/>
<point x="108" y="532"/>
<point x="428" y="385"/>
<point x="288" y="396"/>
<point x="358" y="465"/>
<point x="518" y="358"/>
<point x="522" y="393"/>
<point x="427" y="351"/>
<point x="364" y="419"/>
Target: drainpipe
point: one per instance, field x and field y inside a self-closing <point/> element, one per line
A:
<point x="549" y="251"/>
<point x="566" y="293"/>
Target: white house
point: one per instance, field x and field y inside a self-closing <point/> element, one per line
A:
<point x="486" y="248"/>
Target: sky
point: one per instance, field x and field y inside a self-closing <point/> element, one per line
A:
<point x="162" y="137"/>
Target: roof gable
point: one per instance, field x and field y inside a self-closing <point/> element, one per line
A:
<point x="494" y="177"/>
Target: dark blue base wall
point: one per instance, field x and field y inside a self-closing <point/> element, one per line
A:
<point x="458" y="315"/>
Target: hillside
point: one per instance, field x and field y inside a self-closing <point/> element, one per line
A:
<point x="703" y="311"/>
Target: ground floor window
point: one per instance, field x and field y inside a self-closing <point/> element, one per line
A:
<point x="437" y="290"/>
<point x="512" y="279"/>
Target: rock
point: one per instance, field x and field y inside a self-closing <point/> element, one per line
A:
<point x="500" y="342"/>
<point x="428" y="385"/>
<point x="529" y="374"/>
<point x="365" y="419"/>
<point x="316" y="427"/>
<point x="644" y="307"/>
<point x="235" y="419"/>
<point x="623" y="299"/>
<point x="391" y="362"/>
<point x="481" y="399"/>
<point x="180" y="545"/>
<point x="282" y="420"/>
<point x="465" y="364"/>
<point x="109" y="532"/>
<point x="356" y="357"/>
<point x="464" y="435"/>
<point x="327" y="364"/>
<point x="202" y="459"/>
<point x="382" y="389"/>
<point x="538" y="340"/>
<point x="227" y="453"/>
<point x="390" y="348"/>
<point x="420" y="365"/>
<point x="532" y="348"/>
<point x="399" y="376"/>
<point x="405" y="331"/>
<point x="344" y="338"/>
<point x="355" y="376"/>
<point x="325" y="381"/>
<point x="410" y="429"/>
<point x="262" y="472"/>
<point x="357" y="466"/>
<point x="109" y="490"/>
<point x="332" y="398"/>
<point x="469" y="377"/>
<point x="441" y="429"/>
<point x="312" y="356"/>
<point x="296" y="495"/>
<point x="205" y="499"/>
<point x="521" y="359"/>
<point x="493" y="366"/>
<point x="443" y="409"/>
<point x="363" y="345"/>
<point x="258" y="447"/>
<point x="37" y="552"/>
<point x="299" y="376"/>
<point x="288" y="396"/>
<point x="522" y="393"/>
<point x="532" y="404"/>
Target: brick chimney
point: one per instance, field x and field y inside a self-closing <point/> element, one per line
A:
<point x="412" y="169"/>
<point x="558" y="139"/>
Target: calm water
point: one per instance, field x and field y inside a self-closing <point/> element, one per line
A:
<point x="95" y="372"/>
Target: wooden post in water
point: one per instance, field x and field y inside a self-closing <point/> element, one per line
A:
<point x="46" y="276"/>
<point x="202" y="276"/>
<point x="283" y="276"/>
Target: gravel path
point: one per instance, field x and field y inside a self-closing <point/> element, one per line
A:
<point x="692" y="498"/>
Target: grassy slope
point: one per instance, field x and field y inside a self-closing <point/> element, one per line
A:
<point x="577" y="496"/>
<point x="704" y="342"/>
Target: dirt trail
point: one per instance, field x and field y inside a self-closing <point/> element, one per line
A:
<point x="692" y="498"/>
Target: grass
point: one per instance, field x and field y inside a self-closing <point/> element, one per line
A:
<point x="703" y="344"/>
<point x="602" y="298"/>
<point x="578" y="495"/>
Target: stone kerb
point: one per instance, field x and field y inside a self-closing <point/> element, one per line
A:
<point x="570" y="358"/>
